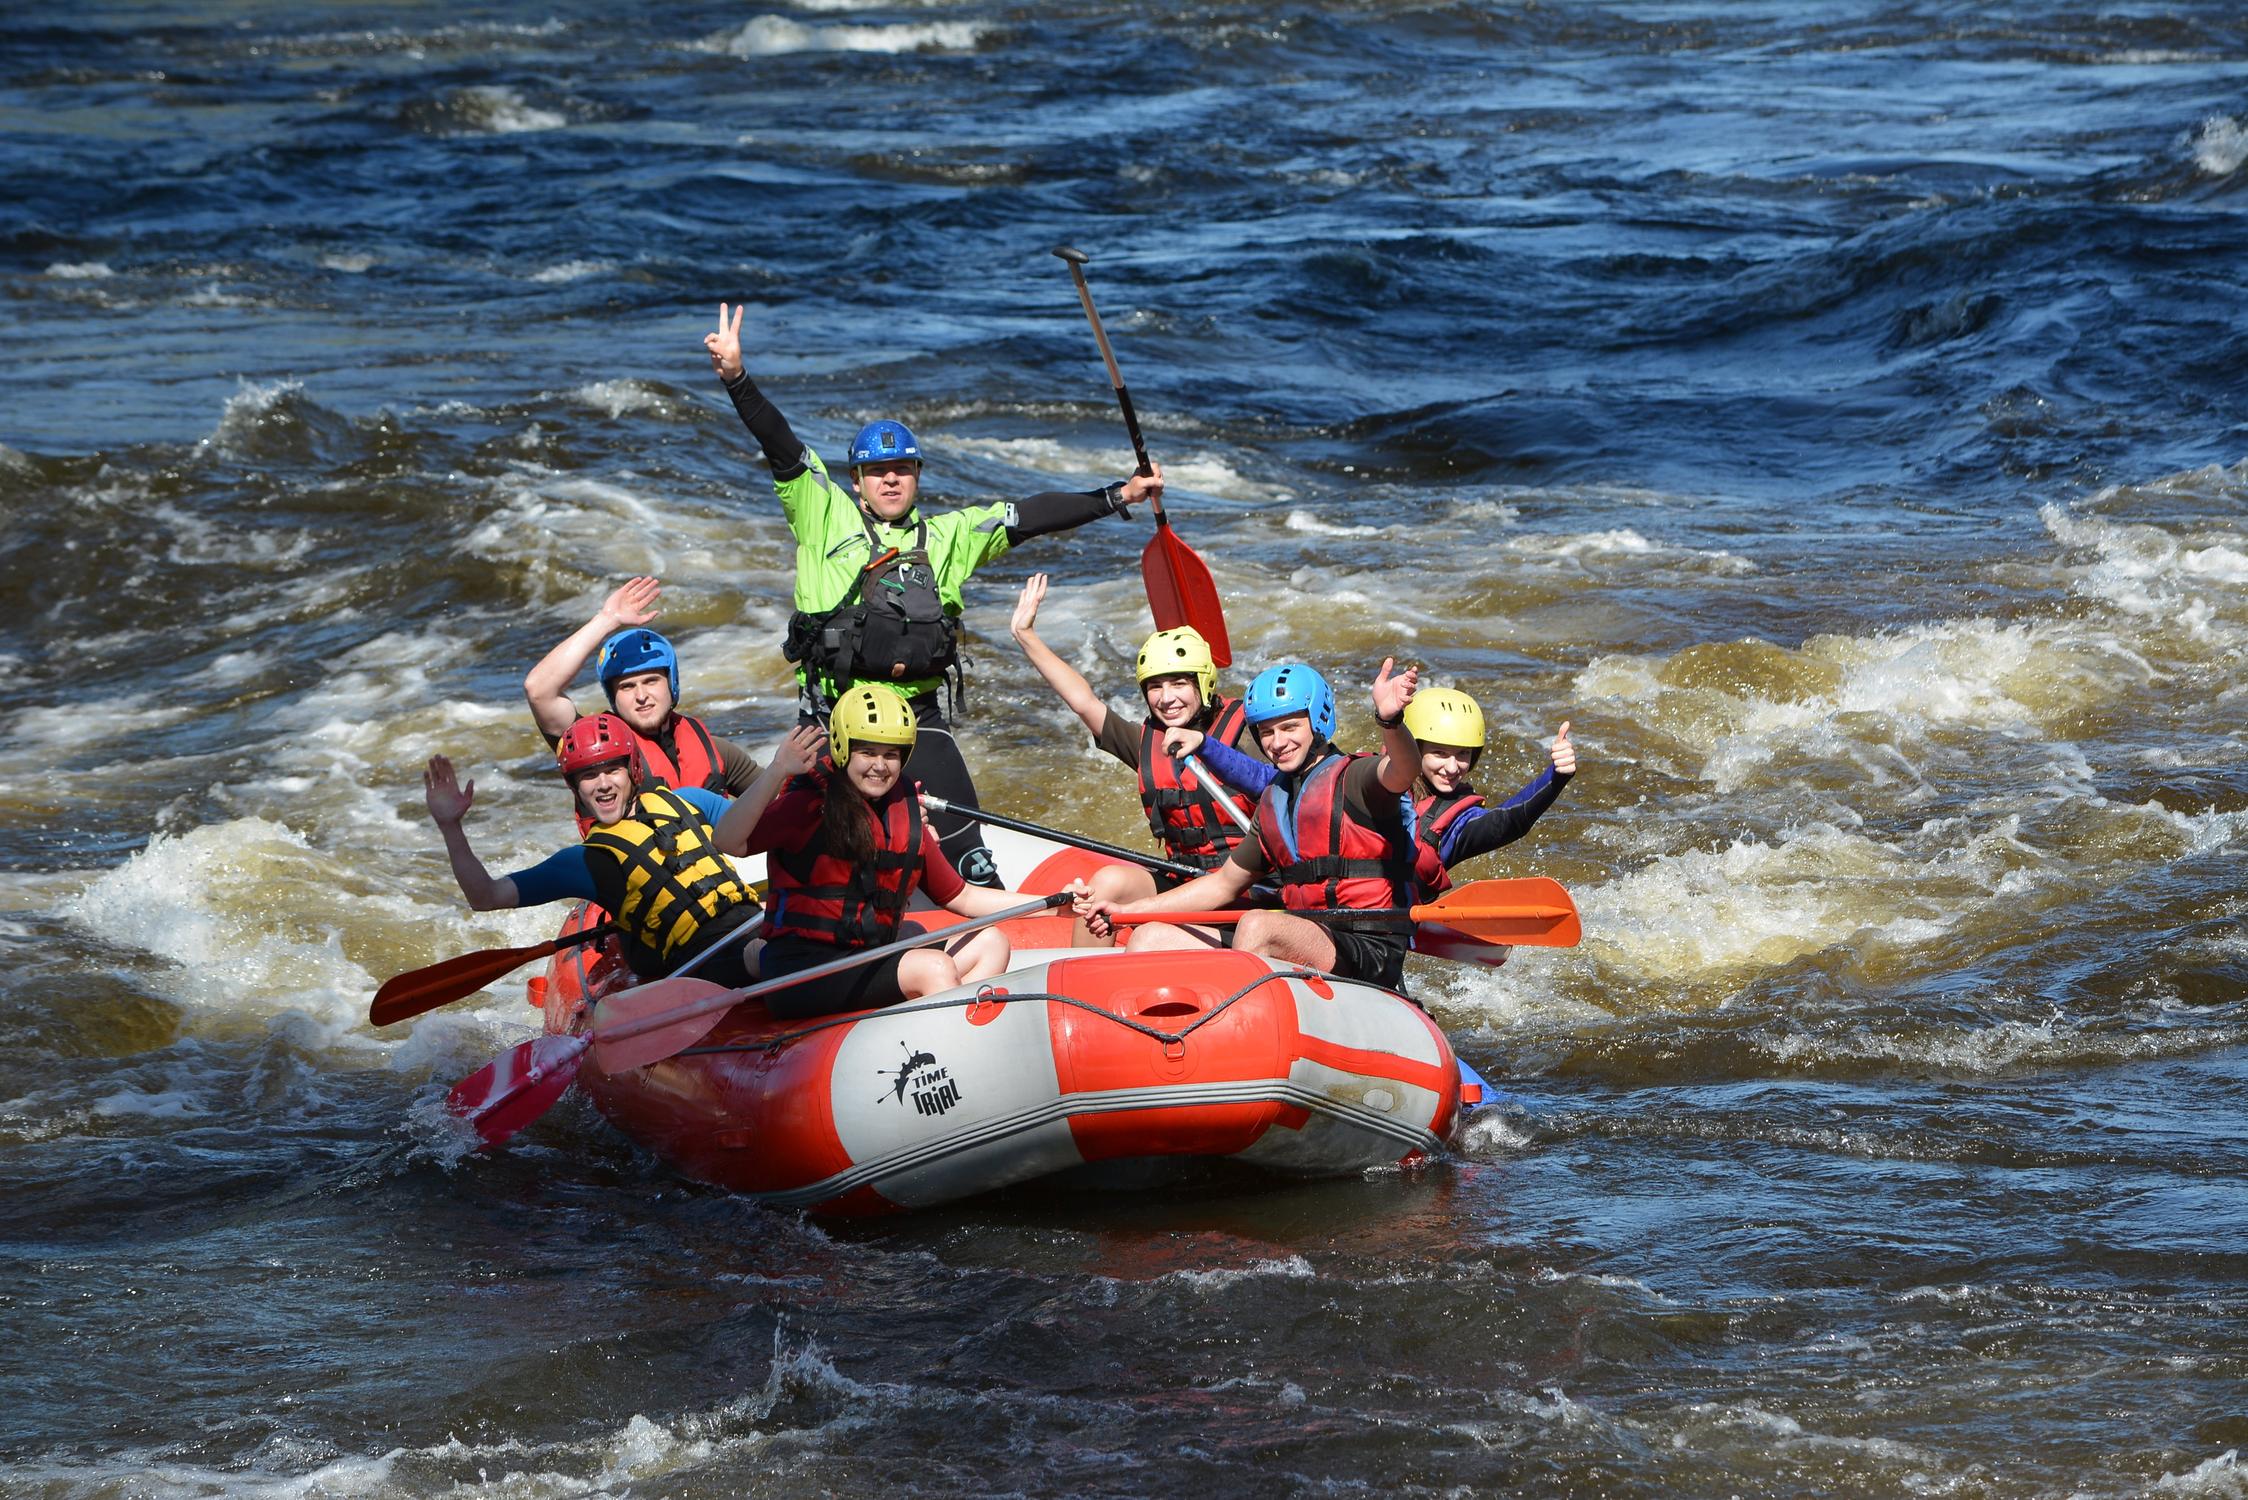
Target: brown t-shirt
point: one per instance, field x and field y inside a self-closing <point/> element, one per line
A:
<point x="1365" y="800"/>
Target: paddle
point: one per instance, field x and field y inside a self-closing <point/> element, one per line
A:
<point x="1533" y="911"/>
<point x="1094" y="846"/>
<point x="1180" y="590"/>
<point x="1219" y="795"/>
<point x="406" y="995"/>
<point x="662" y="1019"/>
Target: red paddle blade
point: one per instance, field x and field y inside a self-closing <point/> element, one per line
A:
<point x="1180" y="590"/>
<point x="404" y="996"/>
<point x="698" y="1005"/>
<point x="517" y="1087"/>
<point x="1531" y="911"/>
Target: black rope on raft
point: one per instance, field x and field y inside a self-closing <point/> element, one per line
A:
<point x="985" y="993"/>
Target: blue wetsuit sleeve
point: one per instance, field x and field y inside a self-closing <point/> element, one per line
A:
<point x="565" y="875"/>
<point x="1244" y="773"/>
<point x="1482" y="829"/>
<point x="704" y="801"/>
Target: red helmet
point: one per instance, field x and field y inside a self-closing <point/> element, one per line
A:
<point x="598" y="741"/>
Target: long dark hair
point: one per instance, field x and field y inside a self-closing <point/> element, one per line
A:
<point x="847" y="820"/>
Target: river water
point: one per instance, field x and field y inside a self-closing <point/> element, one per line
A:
<point x="1835" y="411"/>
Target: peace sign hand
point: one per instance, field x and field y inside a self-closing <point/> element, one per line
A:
<point x="725" y="346"/>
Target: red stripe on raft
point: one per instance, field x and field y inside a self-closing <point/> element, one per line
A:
<point x="1374" y="1064"/>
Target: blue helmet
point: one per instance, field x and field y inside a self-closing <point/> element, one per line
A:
<point x="1295" y="688"/>
<point x="630" y="652"/>
<point x="884" y="442"/>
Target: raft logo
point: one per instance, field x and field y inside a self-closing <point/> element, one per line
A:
<point x="931" y="1084"/>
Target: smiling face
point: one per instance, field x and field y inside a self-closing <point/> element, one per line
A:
<point x="888" y="487"/>
<point x="1445" y="766"/>
<point x="1173" y="700"/>
<point x="644" y="700"/>
<point x="1286" y="741"/>
<point x="874" y="770"/>
<point x="604" y="792"/>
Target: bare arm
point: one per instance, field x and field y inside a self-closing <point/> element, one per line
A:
<point x="1401" y="760"/>
<point x="794" y="757"/>
<point x="1067" y="682"/>
<point x="547" y="686"/>
<point x="1220" y="888"/>
<point x="449" y="802"/>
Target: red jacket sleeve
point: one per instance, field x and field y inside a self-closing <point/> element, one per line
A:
<point x="788" y="820"/>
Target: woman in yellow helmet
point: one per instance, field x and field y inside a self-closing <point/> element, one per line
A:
<point x="1451" y="821"/>
<point x="1185" y="715"/>
<point x="849" y="848"/>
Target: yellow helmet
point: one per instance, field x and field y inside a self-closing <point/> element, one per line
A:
<point x="873" y="713"/>
<point x="1172" y="653"/>
<point x="1445" y="716"/>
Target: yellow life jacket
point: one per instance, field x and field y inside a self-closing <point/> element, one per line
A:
<point x="664" y="881"/>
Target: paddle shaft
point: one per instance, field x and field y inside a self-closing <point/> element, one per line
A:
<point x="1226" y="804"/>
<point x="1076" y="260"/>
<point x="728" y="999"/>
<point x="1092" y="846"/>
<point x="1401" y="915"/>
<point x="404" y="996"/>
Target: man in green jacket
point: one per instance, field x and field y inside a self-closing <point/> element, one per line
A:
<point x="878" y="584"/>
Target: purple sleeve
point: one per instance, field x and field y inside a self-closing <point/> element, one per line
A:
<point x="1244" y="773"/>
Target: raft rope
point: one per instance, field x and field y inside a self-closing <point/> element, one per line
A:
<point x="985" y="993"/>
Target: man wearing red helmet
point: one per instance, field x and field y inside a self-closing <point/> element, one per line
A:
<point x="650" y="856"/>
<point x="639" y="671"/>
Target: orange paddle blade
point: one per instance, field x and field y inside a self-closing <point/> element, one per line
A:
<point x="1532" y="911"/>
<point x="409" y="994"/>
<point x="1180" y="590"/>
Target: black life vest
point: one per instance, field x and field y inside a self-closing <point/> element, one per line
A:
<point x="1185" y="817"/>
<point x="664" y="880"/>
<point x="891" y="627"/>
<point x="821" y="892"/>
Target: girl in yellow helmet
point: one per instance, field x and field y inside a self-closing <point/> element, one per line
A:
<point x="849" y="848"/>
<point x="1451" y="821"/>
<point x="1185" y="715"/>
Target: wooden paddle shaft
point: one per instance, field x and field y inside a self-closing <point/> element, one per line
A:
<point x="1076" y="260"/>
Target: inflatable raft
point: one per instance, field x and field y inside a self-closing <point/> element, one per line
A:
<point x="1072" y="1057"/>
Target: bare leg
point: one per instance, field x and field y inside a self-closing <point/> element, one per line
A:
<point x="1292" y="940"/>
<point x="981" y="955"/>
<point x="1112" y="883"/>
<point x="1158" y="935"/>
<point x="925" y="971"/>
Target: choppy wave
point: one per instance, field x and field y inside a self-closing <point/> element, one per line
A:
<point x="773" y="36"/>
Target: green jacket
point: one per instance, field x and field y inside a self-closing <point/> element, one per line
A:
<point x="831" y="549"/>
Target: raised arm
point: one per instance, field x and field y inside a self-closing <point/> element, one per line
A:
<point x="1068" y="683"/>
<point x="784" y="453"/>
<point x="1400" y="760"/>
<point x="546" y="687"/>
<point x="797" y="754"/>
<point x="1060" y="510"/>
<point x="448" y="801"/>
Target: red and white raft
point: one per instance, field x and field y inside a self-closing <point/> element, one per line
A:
<point x="1074" y="1056"/>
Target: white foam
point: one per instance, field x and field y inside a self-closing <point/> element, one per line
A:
<point x="2221" y="1477"/>
<point x="170" y="1104"/>
<point x="60" y="728"/>
<point x="771" y="36"/>
<point x="248" y="407"/>
<point x="499" y="110"/>
<point x="2146" y="571"/>
<point x="1305" y="521"/>
<point x="572" y="270"/>
<point x="351" y="263"/>
<point x="1293" y="1268"/>
<point x="618" y="397"/>
<point x="1623" y="542"/>
<point x="2220" y="146"/>
<point x="80" y="270"/>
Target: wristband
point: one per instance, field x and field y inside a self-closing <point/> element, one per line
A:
<point x="1390" y="723"/>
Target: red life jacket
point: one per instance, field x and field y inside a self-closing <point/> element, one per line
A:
<point x="1432" y="815"/>
<point x="1181" y="814"/>
<point x="820" y="892"/>
<point x="698" y="763"/>
<point x="1338" y="861"/>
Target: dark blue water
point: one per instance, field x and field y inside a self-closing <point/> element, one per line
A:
<point x="1834" y="411"/>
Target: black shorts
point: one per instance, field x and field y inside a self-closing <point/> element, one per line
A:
<point x="863" y="988"/>
<point x="1374" y="957"/>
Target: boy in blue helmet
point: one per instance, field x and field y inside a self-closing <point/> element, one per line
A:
<point x="639" y="672"/>
<point x="1331" y="832"/>
<point x="878" y="584"/>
